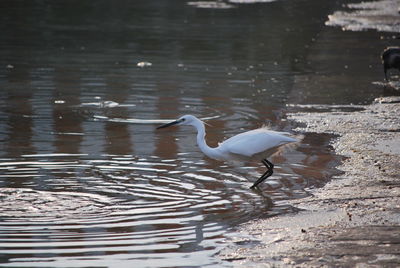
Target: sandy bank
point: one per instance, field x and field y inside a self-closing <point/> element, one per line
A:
<point x="354" y="220"/>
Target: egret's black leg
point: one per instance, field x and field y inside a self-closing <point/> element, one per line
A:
<point x="268" y="173"/>
<point x="268" y="164"/>
<point x="262" y="178"/>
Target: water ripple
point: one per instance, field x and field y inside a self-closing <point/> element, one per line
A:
<point x="118" y="203"/>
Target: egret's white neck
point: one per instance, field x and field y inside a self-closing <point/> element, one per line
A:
<point x="201" y="133"/>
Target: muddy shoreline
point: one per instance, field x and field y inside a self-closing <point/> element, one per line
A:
<point x="354" y="220"/>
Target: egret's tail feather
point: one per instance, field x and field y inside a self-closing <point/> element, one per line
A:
<point x="291" y="145"/>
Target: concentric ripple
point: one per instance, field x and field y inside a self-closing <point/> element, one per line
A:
<point x="71" y="210"/>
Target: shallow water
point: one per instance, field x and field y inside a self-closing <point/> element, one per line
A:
<point x="86" y="180"/>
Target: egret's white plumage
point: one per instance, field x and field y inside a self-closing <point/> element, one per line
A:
<point x="255" y="141"/>
<point x="254" y="144"/>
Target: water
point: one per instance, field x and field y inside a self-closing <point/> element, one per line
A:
<point x="87" y="181"/>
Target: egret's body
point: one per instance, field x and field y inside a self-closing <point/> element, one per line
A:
<point x="254" y="144"/>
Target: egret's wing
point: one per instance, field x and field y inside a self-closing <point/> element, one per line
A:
<point x="255" y="141"/>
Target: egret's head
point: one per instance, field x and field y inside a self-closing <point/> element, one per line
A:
<point x="183" y="120"/>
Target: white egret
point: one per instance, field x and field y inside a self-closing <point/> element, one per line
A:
<point x="254" y="144"/>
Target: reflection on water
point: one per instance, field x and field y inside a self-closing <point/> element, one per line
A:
<point x="380" y="15"/>
<point x="85" y="180"/>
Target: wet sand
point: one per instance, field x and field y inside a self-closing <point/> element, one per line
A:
<point x="354" y="220"/>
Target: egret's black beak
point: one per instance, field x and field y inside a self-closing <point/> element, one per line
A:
<point x="169" y="124"/>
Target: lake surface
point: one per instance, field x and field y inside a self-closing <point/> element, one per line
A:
<point x="87" y="181"/>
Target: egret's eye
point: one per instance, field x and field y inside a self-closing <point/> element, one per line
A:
<point x="183" y="119"/>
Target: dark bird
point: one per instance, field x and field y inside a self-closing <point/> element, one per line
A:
<point x="391" y="59"/>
